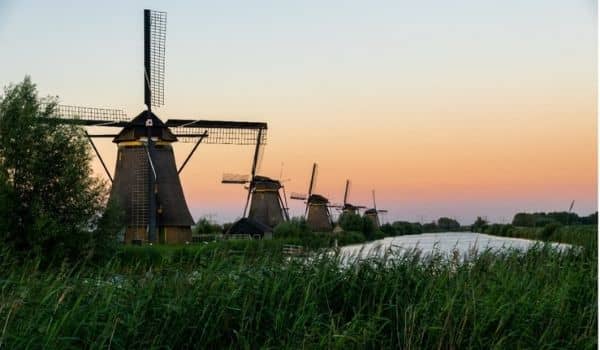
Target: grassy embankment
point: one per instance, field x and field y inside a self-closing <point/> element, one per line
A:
<point x="246" y="295"/>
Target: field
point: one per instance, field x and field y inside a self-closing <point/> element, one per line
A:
<point x="247" y="295"/>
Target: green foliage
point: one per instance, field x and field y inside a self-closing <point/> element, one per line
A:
<point x="548" y="230"/>
<point x="296" y="231"/>
<point x="50" y="206"/>
<point x="350" y="222"/>
<point x="479" y="225"/>
<point x="564" y="218"/>
<point x="448" y="224"/>
<point x="295" y="227"/>
<point x="583" y="235"/>
<point x="400" y="228"/>
<point x="346" y="238"/>
<point x="227" y="226"/>
<point x="105" y="238"/>
<point x="369" y="230"/>
<point x="430" y="227"/>
<point x="239" y="295"/>
<point x="206" y="226"/>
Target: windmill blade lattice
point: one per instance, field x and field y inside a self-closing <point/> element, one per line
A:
<point x="155" y="33"/>
<point x="219" y="132"/>
<point x="235" y="178"/>
<point x="89" y="116"/>
<point x="298" y="196"/>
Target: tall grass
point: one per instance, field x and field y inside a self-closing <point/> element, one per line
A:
<point x="219" y="299"/>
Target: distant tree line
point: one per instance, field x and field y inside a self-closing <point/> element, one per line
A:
<point x="564" y="218"/>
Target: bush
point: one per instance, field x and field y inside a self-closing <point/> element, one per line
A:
<point x="480" y="225"/>
<point x="351" y="222"/>
<point x="407" y="228"/>
<point x="296" y="227"/>
<point x="206" y="226"/>
<point x="346" y="238"/>
<point x="378" y="234"/>
<point x="448" y="224"/>
<point x="430" y="227"/>
<point x="549" y="230"/>
<point x="388" y="230"/>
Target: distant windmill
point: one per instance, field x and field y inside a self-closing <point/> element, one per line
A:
<point x="347" y="207"/>
<point x="146" y="180"/>
<point x="317" y="212"/>
<point x="373" y="213"/>
<point x="267" y="206"/>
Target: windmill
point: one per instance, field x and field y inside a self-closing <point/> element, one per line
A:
<point x="347" y="207"/>
<point x="146" y="181"/>
<point x="267" y="206"/>
<point x="317" y="212"/>
<point x="373" y="213"/>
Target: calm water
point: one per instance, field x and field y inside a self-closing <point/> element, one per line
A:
<point x="445" y="243"/>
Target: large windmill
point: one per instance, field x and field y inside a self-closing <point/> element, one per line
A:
<point x="267" y="207"/>
<point x="373" y="213"/>
<point x="317" y="212"/>
<point x="146" y="180"/>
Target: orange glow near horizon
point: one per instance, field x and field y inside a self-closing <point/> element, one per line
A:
<point x="460" y="109"/>
<point x="536" y="153"/>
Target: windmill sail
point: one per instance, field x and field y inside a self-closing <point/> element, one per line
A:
<point x="317" y="214"/>
<point x="235" y="178"/>
<point x="88" y="116"/>
<point x="146" y="181"/>
<point x="155" y="30"/>
<point x="220" y="132"/>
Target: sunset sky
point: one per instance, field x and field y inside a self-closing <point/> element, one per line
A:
<point x="445" y="108"/>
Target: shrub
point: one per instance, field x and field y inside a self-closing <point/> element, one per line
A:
<point x="206" y="226"/>
<point x="548" y="230"/>
<point x="351" y="237"/>
<point x="351" y="222"/>
<point x="388" y="230"/>
<point x="296" y="227"/>
<point x="448" y="224"/>
<point x="430" y="227"/>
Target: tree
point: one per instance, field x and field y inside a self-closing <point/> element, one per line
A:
<point x="447" y="224"/>
<point x="207" y="226"/>
<point x="430" y="227"/>
<point x="524" y="219"/>
<point x="351" y="222"/>
<point x="51" y="204"/>
<point x="479" y="225"/>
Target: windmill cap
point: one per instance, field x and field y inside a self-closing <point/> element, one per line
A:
<point x="317" y="199"/>
<point x="138" y="128"/>
<point x="371" y="211"/>
<point x="264" y="182"/>
<point x="349" y="206"/>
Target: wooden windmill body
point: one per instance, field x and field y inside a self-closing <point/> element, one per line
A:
<point x="267" y="206"/>
<point x="317" y="214"/>
<point x="146" y="183"/>
<point x="373" y="213"/>
<point x="133" y="178"/>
